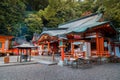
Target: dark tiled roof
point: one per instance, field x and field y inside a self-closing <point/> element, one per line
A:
<point x="76" y="26"/>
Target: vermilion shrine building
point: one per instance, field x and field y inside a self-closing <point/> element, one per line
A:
<point x="5" y="44"/>
<point x="94" y="36"/>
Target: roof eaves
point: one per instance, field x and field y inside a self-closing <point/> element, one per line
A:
<point x="52" y="33"/>
<point x="113" y="27"/>
<point x="88" y="27"/>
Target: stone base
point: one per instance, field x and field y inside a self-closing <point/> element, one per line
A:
<point x="61" y="63"/>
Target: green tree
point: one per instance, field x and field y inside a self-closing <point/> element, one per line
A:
<point x="11" y="12"/>
<point x="60" y="11"/>
<point x="111" y="9"/>
<point x="34" y="23"/>
<point x="36" y="5"/>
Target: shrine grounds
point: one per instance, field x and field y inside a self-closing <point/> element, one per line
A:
<point x="109" y="71"/>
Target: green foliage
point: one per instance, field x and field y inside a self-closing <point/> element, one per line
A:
<point x="111" y="9"/>
<point x="11" y="12"/>
<point x="59" y="11"/>
<point x="34" y="23"/>
<point x="86" y="5"/>
<point x="36" y="5"/>
<point x="50" y="13"/>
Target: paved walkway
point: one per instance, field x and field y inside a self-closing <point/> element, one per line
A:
<point x="48" y="60"/>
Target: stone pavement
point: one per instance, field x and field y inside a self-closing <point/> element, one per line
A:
<point x="48" y="60"/>
<point x="109" y="71"/>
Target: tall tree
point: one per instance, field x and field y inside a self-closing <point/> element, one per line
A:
<point x="111" y="9"/>
<point x="36" y="5"/>
<point x="59" y="11"/>
<point x="34" y="23"/>
<point x="11" y="12"/>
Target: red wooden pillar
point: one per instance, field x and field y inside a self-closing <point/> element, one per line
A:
<point x="62" y="49"/>
<point x="72" y="48"/>
<point x="18" y="54"/>
<point x="109" y="43"/>
<point x="3" y="47"/>
<point x="48" y="46"/>
<point x="62" y="53"/>
<point x="97" y="43"/>
<point x="42" y="49"/>
<point x="101" y="44"/>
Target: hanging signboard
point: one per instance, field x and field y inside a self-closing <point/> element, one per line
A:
<point x="77" y="37"/>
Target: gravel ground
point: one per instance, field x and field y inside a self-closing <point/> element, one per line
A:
<point x="55" y="72"/>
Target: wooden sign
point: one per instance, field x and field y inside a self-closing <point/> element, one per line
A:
<point x="77" y="36"/>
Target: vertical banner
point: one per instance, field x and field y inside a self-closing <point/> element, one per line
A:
<point x="60" y="43"/>
<point x="87" y="49"/>
<point x="6" y="44"/>
<point x="117" y="51"/>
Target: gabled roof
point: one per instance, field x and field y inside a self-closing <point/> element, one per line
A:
<point x="77" y="26"/>
<point x="90" y="18"/>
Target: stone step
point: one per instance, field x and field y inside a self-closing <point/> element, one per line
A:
<point x="47" y="62"/>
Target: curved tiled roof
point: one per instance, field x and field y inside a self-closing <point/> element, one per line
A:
<point x="77" y="26"/>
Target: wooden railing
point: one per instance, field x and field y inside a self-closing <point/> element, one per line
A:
<point x="5" y="51"/>
<point x="100" y="53"/>
<point x="75" y="55"/>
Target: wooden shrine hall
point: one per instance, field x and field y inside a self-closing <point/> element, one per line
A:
<point x="91" y="34"/>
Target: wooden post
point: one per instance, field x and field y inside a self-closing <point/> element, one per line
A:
<point x="62" y="49"/>
<point x="97" y="43"/>
<point x="30" y="54"/>
<point x="62" y="53"/>
<point x="21" y="55"/>
<point x="53" y="56"/>
<point x="114" y="51"/>
<point x="42" y="49"/>
<point x="27" y="54"/>
<point x="18" y="55"/>
<point x="101" y="46"/>
<point x="72" y="48"/>
<point x="109" y="48"/>
<point x="48" y="47"/>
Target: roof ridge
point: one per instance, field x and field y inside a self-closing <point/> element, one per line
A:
<point x="82" y="23"/>
<point x="78" y="19"/>
<point x="47" y="29"/>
